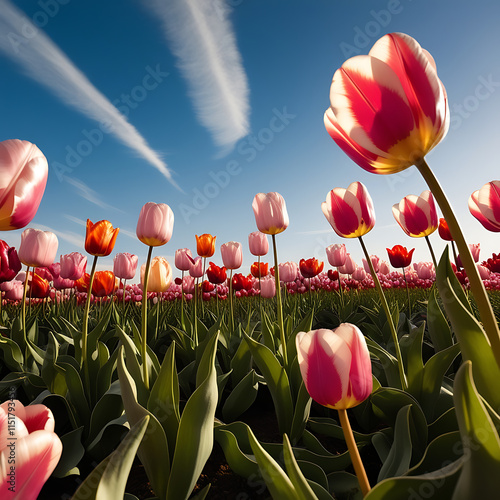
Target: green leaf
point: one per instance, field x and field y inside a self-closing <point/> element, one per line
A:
<point x="344" y="486"/>
<point x="388" y="361"/>
<point x="76" y="394"/>
<point x="52" y="374"/>
<point x="438" y="327"/>
<point x="241" y="397"/>
<point x="196" y="428"/>
<point x="72" y="453"/>
<point x="109" y="478"/>
<point x="12" y="355"/>
<point x="300" y="414"/>
<point x="481" y="442"/>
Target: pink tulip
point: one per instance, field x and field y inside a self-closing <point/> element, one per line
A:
<point x="388" y="109"/>
<point x="349" y="266"/>
<point x="484" y="272"/>
<point x="196" y="269"/>
<point x="183" y="259"/>
<point x="288" y="271"/>
<point x="336" y="254"/>
<point x="424" y="270"/>
<point x="268" y="288"/>
<point x="188" y="284"/>
<point x="10" y="264"/>
<point x="160" y="275"/>
<point x="125" y="265"/>
<point x="13" y="289"/>
<point x="475" y="249"/>
<point x="258" y="243"/>
<point x="359" y="274"/>
<point x="26" y="436"/>
<point x="63" y="283"/>
<point x="270" y="213"/>
<point x="417" y="215"/>
<point x="73" y="265"/>
<point x="349" y="211"/>
<point x="155" y="224"/>
<point x="484" y="205"/>
<point x="22" y="182"/>
<point x="232" y="255"/>
<point x="384" y="268"/>
<point x="37" y="248"/>
<point x="335" y="366"/>
<point x="375" y="262"/>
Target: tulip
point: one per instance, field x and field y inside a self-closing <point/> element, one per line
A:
<point x="288" y="271"/>
<point x="103" y="284"/>
<point x="359" y="274"/>
<point x="383" y="267"/>
<point x="311" y="267"/>
<point x="73" y="265"/>
<point x="350" y="211"/>
<point x="160" y="275"/>
<point x="259" y="269"/>
<point x="44" y="272"/>
<point x="13" y="289"/>
<point x="333" y="275"/>
<point x="37" y="449"/>
<point x="270" y="213"/>
<point x="183" y="259"/>
<point x="10" y="264"/>
<point x="349" y="267"/>
<point x="417" y="215"/>
<point x="484" y="205"/>
<point x="82" y="284"/>
<point x="375" y="262"/>
<point x="100" y="238"/>
<point x="258" y="243"/>
<point x="63" y="283"/>
<point x="475" y="249"/>
<point x="399" y="256"/>
<point x="388" y="109"/>
<point x="444" y="231"/>
<point x="38" y="248"/>
<point x="336" y="254"/>
<point x="196" y="269"/>
<point x="125" y="265"/>
<point x="240" y="282"/>
<point x="484" y="272"/>
<point x="232" y="256"/>
<point x="424" y="270"/>
<point x="22" y="183"/>
<point x="38" y="287"/>
<point x="215" y="274"/>
<point x="155" y="224"/>
<point x="268" y="288"/>
<point x="205" y="245"/>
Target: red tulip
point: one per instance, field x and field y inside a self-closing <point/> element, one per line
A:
<point x="264" y="269"/>
<point x="333" y="275"/>
<point x="38" y="287"/>
<point x="103" y="284"/>
<point x="350" y="211"/>
<point x="10" y="264"/>
<point x="335" y="366"/>
<point x="29" y="431"/>
<point x="205" y="245"/>
<point x="155" y="224"/>
<point x="207" y="286"/>
<point x="258" y="243"/>
<point x="444" y="231"/>
<point x="100" y="238"/>
<point x="399" y="256"/>
<point x="484" y="205"/>
<point x="82" y="284"/>
<point x="388" y="109"/>
<point x="125" y="265"/>
<point x="311" y="267"/>
<point x="37" y="248"/>
<point x="22" y="182"/>
<point x="270" y="213"/>
<point x="215" y="274"/>
<point x="73" y="265"/>
<point x="241" y="282"/>
<point x="417" y="215"/>
<point x="336" y="254"/>
<point x="232" y="255"/>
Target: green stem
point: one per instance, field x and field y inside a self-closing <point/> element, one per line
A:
<point x="402" y="376"/>
<point x="231" y="299"/>
<point x="407" y="293"/>
<point x="85" y="326"/>
<point x="144" y="324"/>
<point x="278" y="303"/>
<point x="182" y="299"/>
<point x="357" y="463"/>
<point x="476" y="284"/>
<point x="23" y="308"/>
<point x="431" y="250"/>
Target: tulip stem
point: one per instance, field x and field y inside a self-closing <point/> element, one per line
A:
<point x="85" y="328"/>
<point x="231" y="300"/>
<point x="402" y="376"/>
<point x="23" y="308"/>
<point x="182" y="299"/>
<point x="407" y="293"/>
<point x="278" y="303"/>
<point x="144" y="324"/>
<point x="431" y="250"/>
<point x="476" y="284"/>
<point x="354" y="453"/>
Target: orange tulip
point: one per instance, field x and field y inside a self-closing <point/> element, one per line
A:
<point x="264" y="269"/>
<point x="205" y="245"/>
<point x="100" y="238"/>
<point x="103" y="284"/>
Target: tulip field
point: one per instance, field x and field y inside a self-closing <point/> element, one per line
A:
<point x="302" y="380"/>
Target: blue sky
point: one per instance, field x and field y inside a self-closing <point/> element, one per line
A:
<point x="134" y="101"/>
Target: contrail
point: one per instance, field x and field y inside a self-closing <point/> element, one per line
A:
<point x="43" y="61"/>
<point x="201" y="37"/>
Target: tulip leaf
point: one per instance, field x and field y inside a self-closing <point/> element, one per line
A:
<point x="388" y="361"/>
<point x="438" y="327"/>
<point x="76" y="394"/>
<point x="277" y="381"/>
<point x="52" y="374"/>
<point x="241" y="397"/>
<point x="11" y="354"/>
<point x="344" y="486"/>
<point x="480" y="440"/>
<point x="469" y="332"/>
<point x="313" y="472"/>
<point x="72" y="453"/>
<point x="300" y="414"/>
<point x="196" y="428"/>
<point x="109" y="478"/>
<point x="105" y="374"/>
<point x="446" y="422"/>
<point x="328" y="427"/>
<point x="241" y="363"/>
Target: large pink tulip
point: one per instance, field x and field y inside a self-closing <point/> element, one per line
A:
<point x="160" y="275"/>
<point x="24" y="170"/>
<point x="10" y="264"/>
<point x="417" y="215"/>
<point x="258" y="243"/>
<point x="349" y="211"/>
<point x="29" y="449"/>
<point x="336" y="254"/>
<point x="38" y="248"/>
<point x="232" y="255"/>
<point x="73" y="265"/>
<point x="389" y="108"/>
<point x="155" y="224"/>
<point x="125" y="265"/>
<point x="335" y="366"/>
<point x="288" y="271"/>
<point x="270" y="213"/>
<point x="484" y="205"/>
<point x="183" y="259"/>
<point x="267" y="288"/>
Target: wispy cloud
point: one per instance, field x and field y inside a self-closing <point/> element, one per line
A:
<point x="42" y="60"/>
<point x="88" y="193"/>
<point x="75" y="239"/>
<point x="201" y="37"/>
